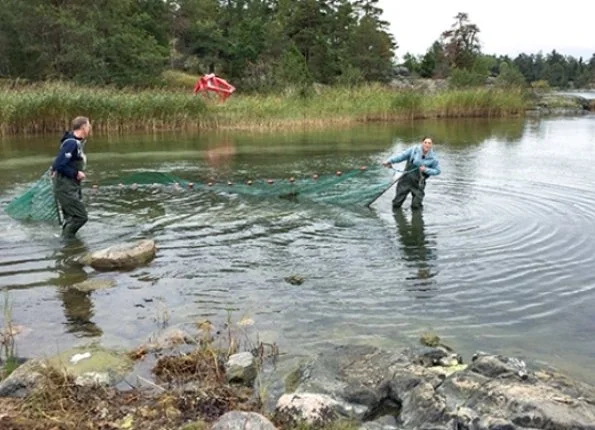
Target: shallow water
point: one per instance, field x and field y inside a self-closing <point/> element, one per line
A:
<point x="501" y="259"/>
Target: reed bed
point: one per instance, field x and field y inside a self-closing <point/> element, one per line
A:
<point x="49" y="107"/>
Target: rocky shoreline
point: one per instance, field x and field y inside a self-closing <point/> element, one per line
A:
<point x="541" y="102"/>
<point x="552" y="104"/>
<point x="202" y="379"/>
<point x="429" y="387"/>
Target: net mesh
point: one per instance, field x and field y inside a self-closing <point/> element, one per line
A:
<point x="356" y="186"/>
<point x="353" y="187"/>
<point x="37" y="203"/>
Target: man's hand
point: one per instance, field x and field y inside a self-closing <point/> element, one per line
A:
<point x="80" y="176"/>
<point x="422" y="168"/>
<point x="387" y="164"/>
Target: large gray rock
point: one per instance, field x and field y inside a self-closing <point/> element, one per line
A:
<point x="386" y="422"/>
<point x="241" y="369"/>
<point x="242" y="421"/>
<point x="23" y="380"/>
<point x="313" y="409"/>
<point x="428" y="388"/>
<point x="123" y="256"/>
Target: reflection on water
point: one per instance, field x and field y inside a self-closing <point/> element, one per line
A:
<point x="492" y="261"/>
<point x="418" y="251"/>
<point x="77" y="305"/>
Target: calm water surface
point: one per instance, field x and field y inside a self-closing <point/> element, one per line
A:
<point x="500" y="260"/>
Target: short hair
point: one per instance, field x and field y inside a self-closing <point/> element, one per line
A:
<point x="79" y="122"/>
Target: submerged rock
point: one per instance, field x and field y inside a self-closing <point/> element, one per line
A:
<point x="122" y="256"/>
<point x="94" y="285"/>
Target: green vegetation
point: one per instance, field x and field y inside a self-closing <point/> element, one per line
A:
<point x="8" y="358"/>
<point x="50" y="107"/>
<point x="256" y="44"/>
<point x="457" y="56"/>
<point x="132" y="64"/>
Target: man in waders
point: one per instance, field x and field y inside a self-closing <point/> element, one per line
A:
<point x="421" y="164"/>
<point x="67" y="171"/>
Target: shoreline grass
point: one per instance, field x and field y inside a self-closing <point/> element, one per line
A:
<point x="49" y="107"/>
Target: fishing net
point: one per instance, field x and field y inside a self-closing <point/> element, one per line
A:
<point x="353" y="187"/>
<point x="37" y="203"/>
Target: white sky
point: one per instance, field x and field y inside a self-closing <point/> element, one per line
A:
<point x="506" y="26"/>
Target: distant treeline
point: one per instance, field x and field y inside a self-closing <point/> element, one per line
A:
<point x="255" y="44"/>
<point x="457" y="55"/>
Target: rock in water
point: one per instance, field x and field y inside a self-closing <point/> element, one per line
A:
<point x="123" y="256"/>
<point x="94" y="285"/>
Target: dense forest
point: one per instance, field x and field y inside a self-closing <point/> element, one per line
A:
<point x="256" y="44"/>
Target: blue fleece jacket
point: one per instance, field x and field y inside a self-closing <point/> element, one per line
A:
<point x="69" y="155"/>
<point x="415" y="156"/>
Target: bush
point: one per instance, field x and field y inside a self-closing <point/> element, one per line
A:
<point x="460" y="78"/>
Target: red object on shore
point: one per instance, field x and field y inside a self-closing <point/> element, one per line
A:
<point x="215" y="84"/>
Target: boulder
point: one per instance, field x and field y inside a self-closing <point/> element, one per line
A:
<point x="430" y="388"/>
<point x="241" y="368"/>
<point x="121" y="257"/>
<point x="313" y="409"/>
<point x="23" y="380"/>
<point x="242" y="421"/>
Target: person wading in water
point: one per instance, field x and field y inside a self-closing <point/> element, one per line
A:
<point x="422" y="163"/>
<point x="67" y="171"/>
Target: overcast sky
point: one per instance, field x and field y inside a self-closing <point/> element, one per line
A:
<point x="506" y="26"/>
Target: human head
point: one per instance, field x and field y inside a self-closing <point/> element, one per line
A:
<point x="81" y="127"/>
<point x="426" y="144"/>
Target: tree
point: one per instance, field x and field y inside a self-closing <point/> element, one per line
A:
<point x="461" y="44"/>
<point x="412" y="63"/>
<point x="510" y="76"/>
<point x="433" y="63"/>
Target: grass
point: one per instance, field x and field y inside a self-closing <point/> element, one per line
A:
<point x="8" y="356"/>
<point x="48" y="107"/>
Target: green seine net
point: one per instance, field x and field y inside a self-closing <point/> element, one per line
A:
<point x="37" y="203"/>
<point x="353" y="187"/>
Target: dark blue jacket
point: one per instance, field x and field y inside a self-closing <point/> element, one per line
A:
<point x="69" y="157"/>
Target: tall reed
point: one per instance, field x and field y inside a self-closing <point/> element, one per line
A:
<point x="49" y="107"/>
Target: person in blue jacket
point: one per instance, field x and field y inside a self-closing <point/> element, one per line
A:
<point x="422" y="163"/>
<point x="68" y="172"/>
